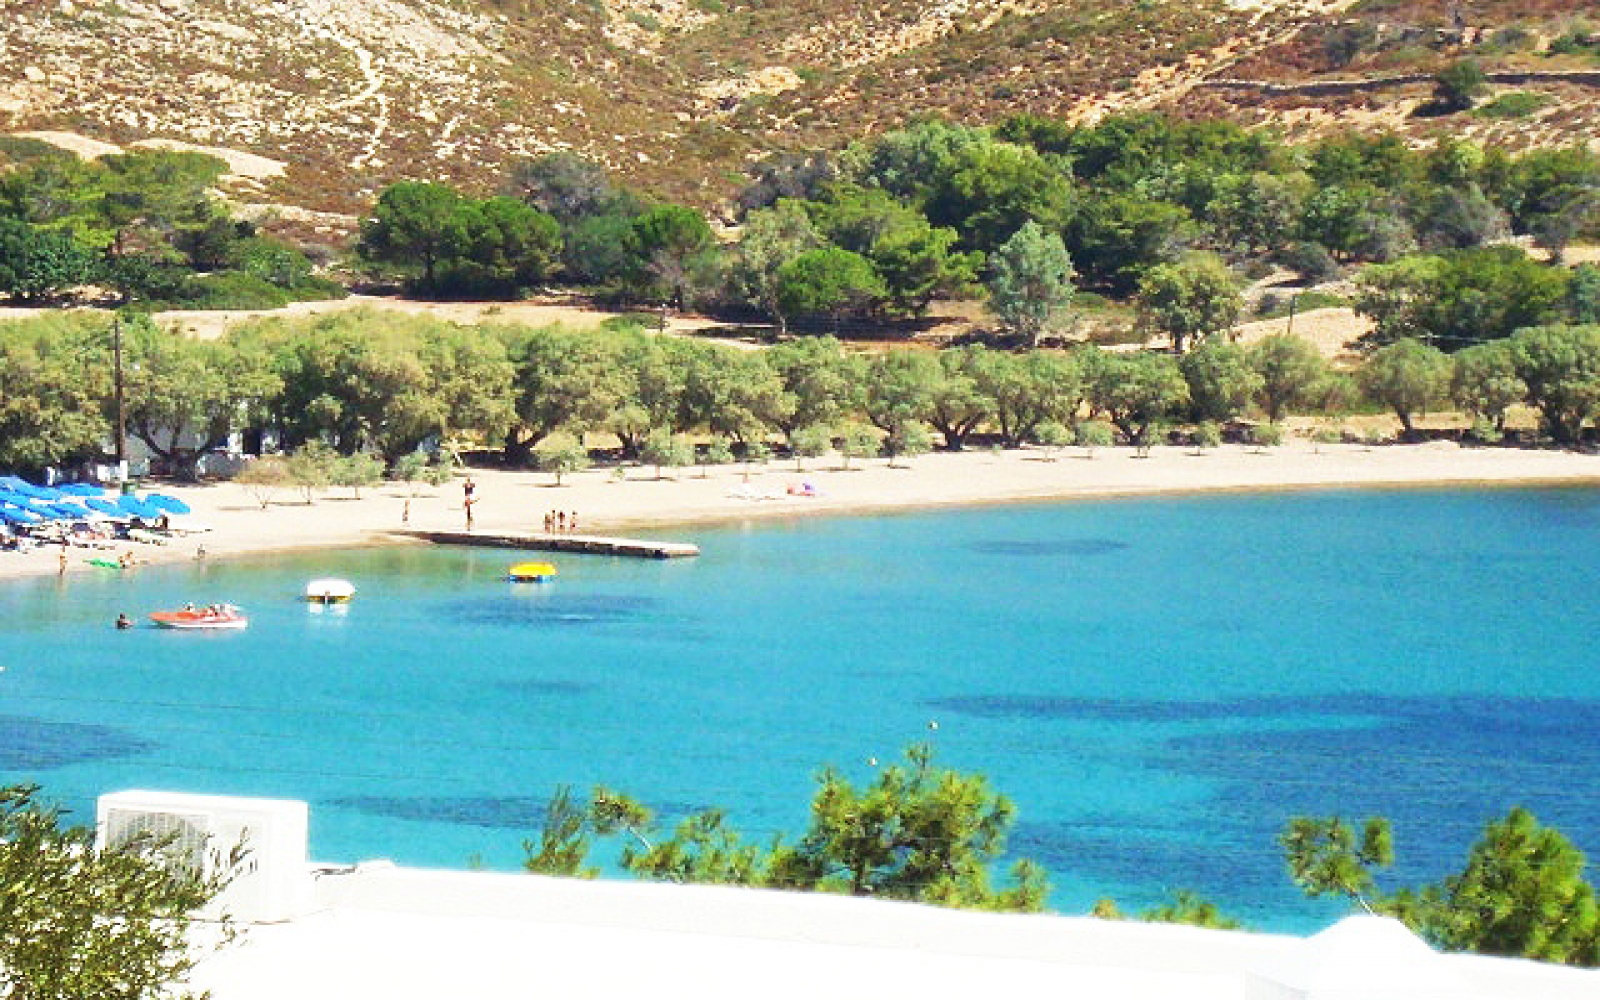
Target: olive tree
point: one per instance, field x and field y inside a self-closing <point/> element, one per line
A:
<point x="1030" y="282"/>
<point x="1407" y="376"/>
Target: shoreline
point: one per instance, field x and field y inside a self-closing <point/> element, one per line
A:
<point x="607" y="504"/>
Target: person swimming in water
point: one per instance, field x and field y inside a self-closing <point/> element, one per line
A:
<point x="124" y="622"/>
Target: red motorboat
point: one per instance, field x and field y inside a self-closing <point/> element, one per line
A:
<point x="217" y="616"/>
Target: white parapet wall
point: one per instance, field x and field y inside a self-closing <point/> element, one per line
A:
<point x="271" y="881"/>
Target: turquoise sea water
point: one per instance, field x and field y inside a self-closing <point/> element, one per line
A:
<point x="1157" y="683"/>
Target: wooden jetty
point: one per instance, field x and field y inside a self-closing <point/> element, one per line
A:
<point x="590" y="544"/>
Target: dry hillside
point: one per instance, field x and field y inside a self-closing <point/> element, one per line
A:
<point x="676" y="95"/>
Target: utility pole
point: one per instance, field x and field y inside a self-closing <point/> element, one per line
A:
<point x="122" y="410"/>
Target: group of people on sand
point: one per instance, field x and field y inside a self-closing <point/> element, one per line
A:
<point x="560" y="521"/>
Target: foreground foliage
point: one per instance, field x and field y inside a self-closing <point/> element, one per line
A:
<point x="1521" y="892"/>
<point x="918" y="832"/>
<point x="76" y="922"/>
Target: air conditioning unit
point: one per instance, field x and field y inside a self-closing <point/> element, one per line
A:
<point x="272" y="882"/>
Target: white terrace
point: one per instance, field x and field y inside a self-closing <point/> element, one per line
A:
<point x="378" y="931"/>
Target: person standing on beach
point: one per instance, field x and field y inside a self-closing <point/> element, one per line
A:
<point x="63" y="570"/>
<point x="469" y="491"/>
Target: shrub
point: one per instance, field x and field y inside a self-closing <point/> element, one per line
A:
<point x="1517" y="104"/>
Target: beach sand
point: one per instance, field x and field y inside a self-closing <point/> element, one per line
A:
<point x="609" y="505"/>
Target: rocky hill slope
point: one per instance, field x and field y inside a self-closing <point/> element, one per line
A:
<point x="677" y="95"/>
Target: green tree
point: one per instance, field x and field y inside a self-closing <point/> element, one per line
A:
<point x="55" y="374"/>
<point x="991" y="189"/>
<point x="506" y="244"/>
<point x="1521" y="893"/>
<point x="958" y="406"/>
<point x="1188" y="908"/>
<point x="1052" y="436"/>
<point x="1137" y="391"/>
<point x="858" y="440"/>
<point x="1091" y="435"/>
<point x="900" y="388"/>
<point x="1583" y="294"/>
<point x="821" y="383"/>
<point x="81" y="921"/>
<point x="1193" y="299"/>
<point x="1406" y="376"/>
<point x="566" y="186"/>
<point x="312" y="467"/>
<point x="1326" y="856"/>
<point x="1222" y="383"/>
<point x="811" y="441"/>
<point x="561" y="453"/>
<point x="415" y="224"/>
<point x="565" y="839"/>
<point x="909" y="162"/>
<point x="357" y="471"/>
<point x="1560" y="365"/>
<point x="918" y="832"/>
<point x="771" y="238"/>
<point x="562" y="379"/>
<point x="264" y="477"/>
<point x="827" y="280"/>
<point x="1290" y="368"/>
<point x="666" y="450"/>
<point x="1030" y="283"/>
<point x="671" y="246"/>
<point x="916" y="260"/>
<point x="1459" y="85"/>
<point x="716" y="452"/>
<point x="729" y="392"/>
<point x="1115" y="236"/>
<point x="146" y="196"/>
<point x="37" y="265"/>
<point x="908" y="438"/>
<point x="1258" y="210"/>
<point x="1462" y="298"/>
<point x="1026" y="390"/>
<point x="185" y="397"/>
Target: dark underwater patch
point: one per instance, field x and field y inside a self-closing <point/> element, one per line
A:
<point x="490" y="812"/>
<point x="541" y="688"/>
<point x="1045" y="707"/>
<point x="516" y="610"/>
<point x="1438" y="768"/>
<point x="28" y="744"/>
<point x="509" y="812"/>
<point x="1045" y="549"/>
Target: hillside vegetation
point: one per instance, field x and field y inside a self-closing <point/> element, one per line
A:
<point x="676" y="95"/>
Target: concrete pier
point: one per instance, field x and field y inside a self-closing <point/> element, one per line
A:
<point x="539" y="541"/>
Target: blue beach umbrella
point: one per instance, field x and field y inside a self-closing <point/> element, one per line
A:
<point x="172" y="505"/>
<point x="81" y="490"/>
<point x="17" y="515"/>
<point x="31" y="491"/>
<point x="104" y="506"/>
<point x="32" y="507"/>
<point x="70" y="511"/>
<point x="138" y="508"/>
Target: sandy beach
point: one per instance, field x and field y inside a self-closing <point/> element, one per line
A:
<point x="609" y="503"/>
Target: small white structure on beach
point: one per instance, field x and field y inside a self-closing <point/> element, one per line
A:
<point x="378" y="931"/>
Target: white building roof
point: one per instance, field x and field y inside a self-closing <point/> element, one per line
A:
<point x="384" y="932"/>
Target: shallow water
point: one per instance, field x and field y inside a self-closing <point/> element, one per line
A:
<point x="1158" y="683"/>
